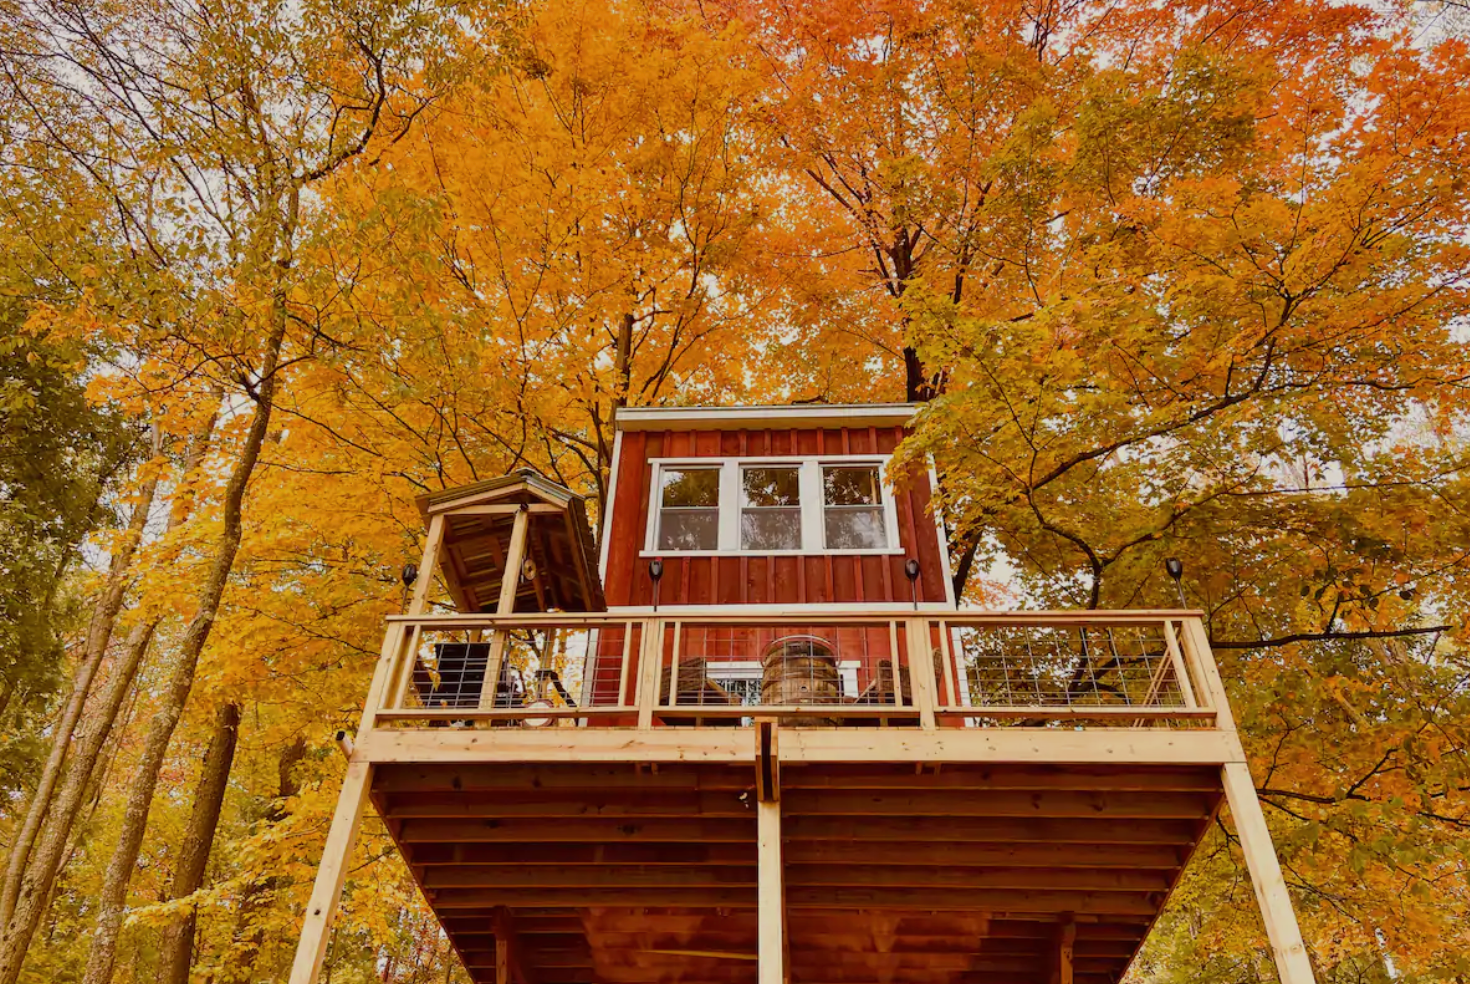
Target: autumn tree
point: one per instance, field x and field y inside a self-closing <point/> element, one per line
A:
<point x="204" y="127"/>
<point x="577" y="232"/>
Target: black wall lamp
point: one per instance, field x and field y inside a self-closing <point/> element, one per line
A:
<point x="655" y="574"/>
<point x="911" y="571"/>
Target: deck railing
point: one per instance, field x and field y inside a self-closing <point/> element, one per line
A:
<point x="710" y="668"/>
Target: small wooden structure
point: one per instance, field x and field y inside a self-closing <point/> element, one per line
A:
<point x="1002" y="797"/>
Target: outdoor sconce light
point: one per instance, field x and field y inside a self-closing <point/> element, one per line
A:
<point x="911" y="571"/>
<point x="656" y="573"/>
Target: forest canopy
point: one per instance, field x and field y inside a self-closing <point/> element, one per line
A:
<point x="1178" y="278"/>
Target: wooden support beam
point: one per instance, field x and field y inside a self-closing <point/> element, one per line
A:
<point x="650" y="663"/>
<point x="579" y="898"/>
<point x="423" y="857"/>
<point x="907" y="875"/>
<point x="1065" y="950"/>
<point x="506" y="509"/>
<point x="1005" y="803"/>
<point x="876" y="832"/>
<point x="920" y="662"/>
<point x="515" y="779"/>
<point x="510" y="580"/>
<point x="767" y="761"/>
<point x="654" y="803"/>
<point x="510" y="965"/>
<point x="1101" y="746"/>
<point x="596" y="876"/>
<point x="1181" y="671"/>
<point x="959" y="854"/>
<point x="1040" y="901"/>
<point x="772" y="915"/>
<point x="1116" y="746"/>
<point x="311" y="950"/>
<point x="428" y="564"/>
<point x="1290" y="954"/>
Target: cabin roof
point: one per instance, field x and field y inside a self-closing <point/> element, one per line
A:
<point x="766" y="417"/>
<point x="477" y="541"/>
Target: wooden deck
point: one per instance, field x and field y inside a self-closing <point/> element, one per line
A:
<point x="1016" y="813"/>
<point x="893" y="873"/>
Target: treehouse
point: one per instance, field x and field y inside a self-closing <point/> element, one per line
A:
<point x="752" y="739"/>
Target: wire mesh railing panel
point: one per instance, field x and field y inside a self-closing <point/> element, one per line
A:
<point x="608" y="672"/>
<point x="527" y="669"/>
<point x="838" y="667"/>
<point x="1072" y="667"/>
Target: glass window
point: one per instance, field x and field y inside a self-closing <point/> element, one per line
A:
<point x="852" y="508"/>
<point x="770" y="513"/>
<point x="689" y="509"/>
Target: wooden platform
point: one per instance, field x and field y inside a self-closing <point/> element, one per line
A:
<point x="894" y="873"/>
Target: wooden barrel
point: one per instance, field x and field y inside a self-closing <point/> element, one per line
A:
<point x="801" y="670"/>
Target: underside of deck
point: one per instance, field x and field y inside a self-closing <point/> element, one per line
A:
<point x="894" y="873"/>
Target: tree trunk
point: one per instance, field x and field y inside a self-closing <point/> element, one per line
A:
<point x="50" y="848"/>
<point x="99" y="633"/>
<point x="135" y="818"/>
<point x="177" y="947"/>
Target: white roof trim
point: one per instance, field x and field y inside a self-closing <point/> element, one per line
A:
<point x="766" y="418"/>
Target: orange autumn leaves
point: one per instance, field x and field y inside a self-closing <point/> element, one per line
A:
<point x="1184" y="279"/>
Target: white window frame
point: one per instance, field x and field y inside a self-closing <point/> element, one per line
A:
<point x="813" y="528"/>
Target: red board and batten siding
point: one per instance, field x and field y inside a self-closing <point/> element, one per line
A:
<point x="786" y="580"/>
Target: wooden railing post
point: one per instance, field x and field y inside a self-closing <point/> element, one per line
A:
<point x="1186" y="688"/>
<point x="1201" y="663"/>
<point x="921" y="671"/>
<point x="650" y="662"/>
<point x="382" y="692"/>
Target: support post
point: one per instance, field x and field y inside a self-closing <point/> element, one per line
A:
<point x="1287" y="949"/>
<point x="1066" y="944"/>
<point x="650" y="663"/>
<point x="428" y="564"/>
<point x="921" y="671"/>
<point x="772" y="895"/>
<point x="311" y="951"/>
<point x="514" y="557"/>
<point x="509" y="967"/>
<point x="510" y="579"/>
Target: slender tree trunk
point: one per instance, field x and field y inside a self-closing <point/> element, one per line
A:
<point x="49" y="853"/>
<point x="99" y="633"/>
<point x="113" y="899"/>
<point x="177" y="947"/>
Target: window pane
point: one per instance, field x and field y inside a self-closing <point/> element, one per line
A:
<point x="689" y="529"/>
<point x="856" y="528"/>
<point x="770" y="529"/>
<point x="772" y="486"/>
<point x="691" y="487"/>
<point x="844" y="485"/>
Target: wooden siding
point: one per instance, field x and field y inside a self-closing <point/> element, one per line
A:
<point x="810" y="579"/>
